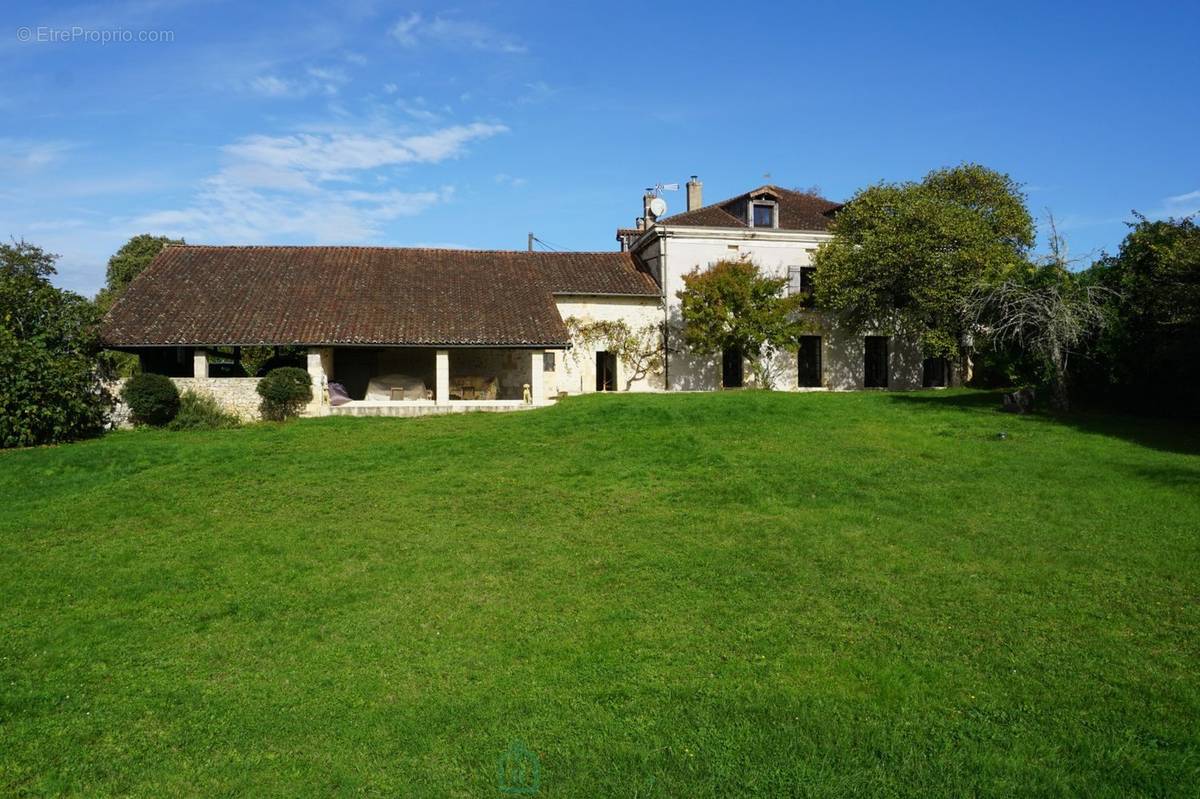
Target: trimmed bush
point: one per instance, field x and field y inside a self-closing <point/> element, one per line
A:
<point x="201" y="412"/>
<point x="284" y="392"/>
<point x="152" y="399"/>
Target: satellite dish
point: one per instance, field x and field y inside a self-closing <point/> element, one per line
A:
<point x="658" y="206"/>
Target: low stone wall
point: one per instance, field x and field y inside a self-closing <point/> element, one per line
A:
<point x="238" y="395"/>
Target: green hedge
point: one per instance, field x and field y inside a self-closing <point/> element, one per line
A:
<point x="152" y="399"/>
<point x="284" y="391"/>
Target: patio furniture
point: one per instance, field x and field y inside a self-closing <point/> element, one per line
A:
<point x="396" y="387"/>
<point x="473" y="387"/>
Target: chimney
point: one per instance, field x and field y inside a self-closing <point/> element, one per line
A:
<point x="647" y="214"/>
<point x="694" y="190"/>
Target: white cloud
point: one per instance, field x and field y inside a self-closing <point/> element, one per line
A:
<point x="328" y="80"/>
<point x="273" y="86"/>
<point x="26" y="156"/>
<point x="316" y="80"/>
<point x="227" y="211"/>
<point x="537" y="92"/>
<point x="505" y="179"/>
<point x="412" y="31"/>
<point x="305" y="186"/>
<point x="329" y="155"/>
<point x="449" y="142"/>
<point x="405" y="30"/>
<point x="416" y="109"/>
<point x="1178" y="206"/>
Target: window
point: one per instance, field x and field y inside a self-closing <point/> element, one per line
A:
<point x="548" y="362"/>
<point x="800" y="281"/>
<point x="764" y="215"/>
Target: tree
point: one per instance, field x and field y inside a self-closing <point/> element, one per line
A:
<point x="640" y="349"/>
<point x="733" y="305"/>
<point x="1045" y="310"/>
<point x="127" y="263"/>
<point x="1147" y="356"/>
<point x="905" y="256"/>
<point x="50" y="388"/>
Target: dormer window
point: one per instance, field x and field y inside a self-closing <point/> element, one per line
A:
<point x="764" y="215"/>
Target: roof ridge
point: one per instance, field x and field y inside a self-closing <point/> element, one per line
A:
<point x="748" y="192"/>
<point x="390" y="247"/>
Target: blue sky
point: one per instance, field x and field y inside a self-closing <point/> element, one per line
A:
<point x="470" y="124"/>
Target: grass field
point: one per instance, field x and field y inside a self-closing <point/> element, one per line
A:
<point x="704" y="595"/>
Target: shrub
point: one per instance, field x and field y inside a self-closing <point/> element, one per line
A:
<point x="50" y="388"/>
<point x="201" y="412"/>
<point x="284" y="392"/>
<point x="259" y="360"/>
<point x="152" y="399"/>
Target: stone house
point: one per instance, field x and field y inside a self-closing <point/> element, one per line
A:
<point x="409" y="331"/>
<point x="778" y="229"/>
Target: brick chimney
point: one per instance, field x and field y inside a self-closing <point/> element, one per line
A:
<point x="694" y="190"/>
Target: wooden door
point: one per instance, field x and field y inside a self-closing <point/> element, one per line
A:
<point x="809" y="363"/>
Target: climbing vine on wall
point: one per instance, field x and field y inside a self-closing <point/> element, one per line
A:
<point x="640" y="350"/>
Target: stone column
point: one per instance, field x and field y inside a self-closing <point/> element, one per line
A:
<point x="200" y="363"/>
<point x="537" y="376"/>
<point x="442" y="394"/>
<point x="317" y="360"/>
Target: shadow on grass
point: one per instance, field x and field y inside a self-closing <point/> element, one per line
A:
<point x="1169" y="435"/>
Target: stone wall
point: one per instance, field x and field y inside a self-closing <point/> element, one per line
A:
<point x="238" y="395"/>
<point x="510" y="367"/>
<point x="576" y="368"/>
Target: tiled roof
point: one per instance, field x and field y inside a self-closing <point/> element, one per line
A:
<point x="203" y="295"/>
<point x="797" y="211"/>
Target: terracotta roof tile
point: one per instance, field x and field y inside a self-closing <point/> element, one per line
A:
<point x="203" y="295"/>
<point x="797" y="211"/>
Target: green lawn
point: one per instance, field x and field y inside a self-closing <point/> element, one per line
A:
<point x="678" y="596"/>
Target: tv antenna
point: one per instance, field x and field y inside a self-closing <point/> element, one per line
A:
<point x="658" y="188"/>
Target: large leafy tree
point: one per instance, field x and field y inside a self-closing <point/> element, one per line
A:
<point x="127" y="263"/>
<point x="1149" y="353"/>
<point x="734" y="305"/>
<point x="906" y="256"/>
<point x="1045" y="311"/>
<point x="50" y="389"/>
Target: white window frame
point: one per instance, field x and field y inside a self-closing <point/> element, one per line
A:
<point x="798" y="270"/>
<point x="774" y="205"/>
